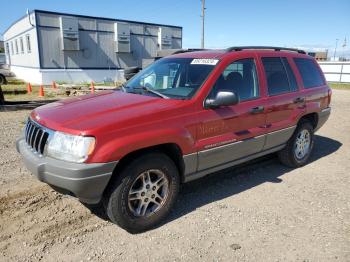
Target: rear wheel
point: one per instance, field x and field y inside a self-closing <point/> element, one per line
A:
<point x="143" y="194"/>
<point x="299" y="147"/>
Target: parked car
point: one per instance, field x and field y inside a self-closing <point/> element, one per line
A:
<point x="183" y="117"/>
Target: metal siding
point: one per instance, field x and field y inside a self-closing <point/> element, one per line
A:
<point x="48" y="20"/>
<point x="151" y="46"/>
<point x="137" y="47"/>
<point x="151" y="30"/>
<point x="136" y="29"/>
<point x="97" y="46"/>
<point x="177" y="32"/>
<point x="105" y="25"/>
<point x="87" y="55"/>
<point x="176" y="43"/>
<point x="105" y="50"/>
<point x="51" y="53"/>
<point x="87" y="24"/>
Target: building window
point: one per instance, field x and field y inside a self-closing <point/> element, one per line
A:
<point x="21" y="45"/>
<point x="29" y="47"/>
<point x="16" y="46"/>
<point x="12" y="52"/>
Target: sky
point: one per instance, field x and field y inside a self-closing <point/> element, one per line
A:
<point x="300" y="23"/>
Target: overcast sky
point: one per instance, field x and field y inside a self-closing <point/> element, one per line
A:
<point x="298" y="23"/>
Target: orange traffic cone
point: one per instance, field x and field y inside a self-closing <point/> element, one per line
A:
<point x="29" y="88"/>
<point x="92" y="87"/>
<point x="41" y="91"/>
<point x="54" y="85"/>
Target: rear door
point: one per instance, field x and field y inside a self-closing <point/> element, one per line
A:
<point x="229" y="133"/>
<point x="284" y="102"/>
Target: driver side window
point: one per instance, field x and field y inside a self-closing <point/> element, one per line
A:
<point x="239" y="77"/>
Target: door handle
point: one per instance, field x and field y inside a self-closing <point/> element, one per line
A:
<point x="299" y="100"/>
<point x="256" y="110"/>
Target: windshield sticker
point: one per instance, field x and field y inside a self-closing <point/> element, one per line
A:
<point x="204" y="61"/>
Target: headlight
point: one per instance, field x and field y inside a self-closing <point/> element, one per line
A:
<point x="70" y="148"/>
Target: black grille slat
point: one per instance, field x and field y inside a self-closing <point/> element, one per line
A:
<point x="36" y="136"/>
<point x="36" y="140"/>
<point x="30" y="134"/>
<point x="39" y="142"/>
<point x="33" y="137"/>
<point x="43" y="142"/>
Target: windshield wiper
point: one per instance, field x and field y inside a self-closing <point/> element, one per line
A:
<point x="149" y="90"/>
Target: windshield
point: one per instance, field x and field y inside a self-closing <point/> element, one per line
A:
<point x="177" y="78"/>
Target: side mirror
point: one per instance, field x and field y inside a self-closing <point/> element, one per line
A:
<point x="223" y="98"/>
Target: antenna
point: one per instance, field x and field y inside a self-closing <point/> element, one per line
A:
<point x="28" y="14"/>
<point x="203" y="16"/>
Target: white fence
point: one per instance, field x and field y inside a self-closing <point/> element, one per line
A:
<point x="336" y="71"/>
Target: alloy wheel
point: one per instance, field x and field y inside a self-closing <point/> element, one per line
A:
<point x="302" y="144"/>
<point x="148" y="193"/>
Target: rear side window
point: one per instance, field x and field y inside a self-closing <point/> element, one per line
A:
<point x="309" y="72"/>
<point x="279" y="75"/>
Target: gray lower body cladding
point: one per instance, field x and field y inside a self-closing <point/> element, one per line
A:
<point x="84" y="181"/>
<point x="221" y="157"/>
<point x="323" y="117"/>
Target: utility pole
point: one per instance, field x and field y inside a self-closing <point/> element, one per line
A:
<point x="335" y="49"/>
<point x="203" y="15"/>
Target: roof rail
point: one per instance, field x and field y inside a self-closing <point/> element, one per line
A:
<point x="276" y="48"/>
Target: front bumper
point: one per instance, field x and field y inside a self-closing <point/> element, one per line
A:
<point x="84" y="181"/>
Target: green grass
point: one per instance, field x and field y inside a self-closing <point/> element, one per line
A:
<point x="343" y="86"/>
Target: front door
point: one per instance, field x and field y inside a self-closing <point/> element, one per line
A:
<point x="229" y="133"/>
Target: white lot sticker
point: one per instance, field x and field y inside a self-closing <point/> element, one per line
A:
<point x="203" y="61"/>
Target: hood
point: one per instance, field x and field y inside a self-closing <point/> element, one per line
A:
<point x="83" y="115"/>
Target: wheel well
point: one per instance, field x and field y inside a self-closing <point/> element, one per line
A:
<point x="173" y="151"/>
<point x="312" y="118"/>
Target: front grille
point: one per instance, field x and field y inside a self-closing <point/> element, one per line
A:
<point x="36" y="136"/>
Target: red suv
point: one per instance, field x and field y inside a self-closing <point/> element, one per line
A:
<point x="181" y="118"/>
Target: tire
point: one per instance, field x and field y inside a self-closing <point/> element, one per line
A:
<point x="125" y="212"/>
<point x="290" y="156"/>
<point x="130" y="70"/>
<point x="3" y="80"/>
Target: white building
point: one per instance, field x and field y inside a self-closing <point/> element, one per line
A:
<point x="44" y="46"/>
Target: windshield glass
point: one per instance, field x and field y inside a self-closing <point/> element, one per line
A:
<point x="177" y="78"/>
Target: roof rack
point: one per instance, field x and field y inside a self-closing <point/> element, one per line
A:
<point x="240" y="48"/>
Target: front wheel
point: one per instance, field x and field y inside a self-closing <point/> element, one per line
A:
<point x="299" y="147"/>
<point x="143" y="194"/>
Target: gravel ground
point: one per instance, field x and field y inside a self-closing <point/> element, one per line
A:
<point x="262" y="211"/>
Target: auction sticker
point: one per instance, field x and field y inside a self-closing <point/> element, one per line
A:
<point x="203" y="61"/>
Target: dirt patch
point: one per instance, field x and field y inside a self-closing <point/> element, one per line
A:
<point x="260" y="211"/>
